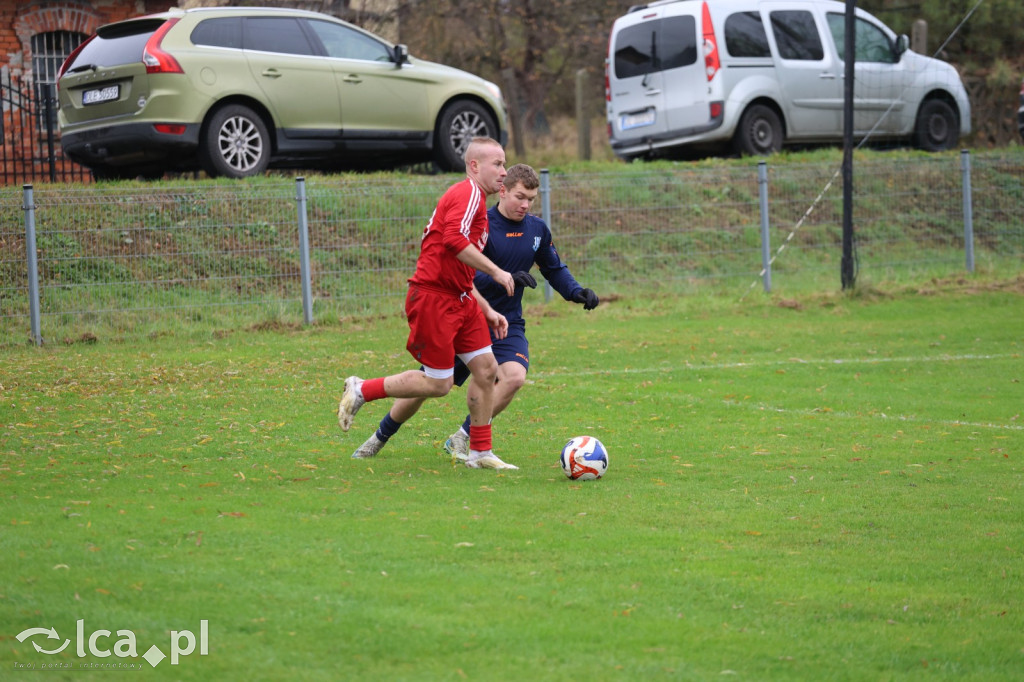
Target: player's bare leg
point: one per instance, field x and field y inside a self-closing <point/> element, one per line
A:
<point x="412" y="383"/>
<point x="480" y="399"/>
<point x="511" y="377"/>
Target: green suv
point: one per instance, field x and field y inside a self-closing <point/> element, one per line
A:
<point x="234" y="91"/>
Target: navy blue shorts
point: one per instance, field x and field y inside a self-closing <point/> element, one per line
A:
<point x="512" y="348"/>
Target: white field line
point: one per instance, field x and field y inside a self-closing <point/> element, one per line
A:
<point x="691" y="367"/>
<point x="762" y="407"/>
<point x="688" y="367"/>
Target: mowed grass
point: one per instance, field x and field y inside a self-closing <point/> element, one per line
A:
<point x="826" y="488"/>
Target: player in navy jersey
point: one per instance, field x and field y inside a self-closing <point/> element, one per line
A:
<point x="517" y="240"/>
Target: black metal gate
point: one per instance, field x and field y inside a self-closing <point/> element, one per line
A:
<point x="30" y="148"/>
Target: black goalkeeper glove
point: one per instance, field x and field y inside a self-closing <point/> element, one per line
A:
<point x="588" y="298"/>
<point x="524" y="279"/>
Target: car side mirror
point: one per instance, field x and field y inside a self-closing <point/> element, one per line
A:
<point x="902" y="45"/>
<point x="400" y="55"/>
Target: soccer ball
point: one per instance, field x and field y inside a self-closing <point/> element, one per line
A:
<point x="584" y="458"/>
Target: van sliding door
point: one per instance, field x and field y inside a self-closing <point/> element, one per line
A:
<point x="880" y="78"/>
<point x="810" y="76"/>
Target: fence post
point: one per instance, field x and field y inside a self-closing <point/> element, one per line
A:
<point x="766" y="246"/>
<point x="582" y="119"/>
<point x="307" y="288"/>
<point x="51" y="156"/>
<point x="965" y="171"/>
<point x="545" y="214"/>
<point x="33" y="266"/>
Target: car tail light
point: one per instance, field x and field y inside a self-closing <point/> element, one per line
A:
<point x="716" y="110"/>
<point x="711" y="63"/>
<point x="170" y="128"/>
<point x="607" y="72"/>
<point x="155" y="59"/>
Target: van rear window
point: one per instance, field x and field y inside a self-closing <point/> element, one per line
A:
<point x="745" y="35"/>
<point x="655" y="46"/>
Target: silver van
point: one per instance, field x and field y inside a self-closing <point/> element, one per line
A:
<point x="758" y="74"/>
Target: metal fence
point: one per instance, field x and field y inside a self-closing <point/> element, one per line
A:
<point x="30" y="149"/>
<point x="122" y="260"/>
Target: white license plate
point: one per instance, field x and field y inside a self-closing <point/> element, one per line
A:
<point x="101" y="94"/>
<point x="644" y="118"/>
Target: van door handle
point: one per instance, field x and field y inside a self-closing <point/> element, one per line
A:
<point x="827" y="75"/>
<point x="652" y="93"/>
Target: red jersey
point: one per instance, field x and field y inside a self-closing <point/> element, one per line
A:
<point x="459" y="220"/>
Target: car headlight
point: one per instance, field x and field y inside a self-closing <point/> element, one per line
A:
<point x="496" y="91"/>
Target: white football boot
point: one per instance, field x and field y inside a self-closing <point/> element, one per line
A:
<point x="457" y="445"/>
<point x="370" y="448"/>
<point x="351" y="400"/>
<point x="486" y="460"/>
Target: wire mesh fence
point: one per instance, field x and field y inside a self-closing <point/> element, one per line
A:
<point x="123" y="260"/>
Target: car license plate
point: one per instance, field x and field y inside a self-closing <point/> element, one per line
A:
<point x="101" y="94"/>
<point x="638" y="120"/>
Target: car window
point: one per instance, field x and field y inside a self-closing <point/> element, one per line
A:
<point x="677" y="42"/>
<point x="655" y="46"/>
<point x="745" y="36"/>
<point x="634" y="50"/>
<point x="276" y="34"/>
<point x="346" y="43"/>
<point x="222" y="32"/>
<point x="116" y="47"/>
<point x="796" y="35"/>
<point x="871" y="44"/>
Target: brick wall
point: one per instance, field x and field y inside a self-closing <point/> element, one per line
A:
<point x="19" y="21"/>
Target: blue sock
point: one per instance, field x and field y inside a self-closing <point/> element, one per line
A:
<point x="465" y="424"/>
<point x="388" y="427"/>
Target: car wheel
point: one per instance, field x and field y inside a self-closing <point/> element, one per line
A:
<point x="458" y="124"/>
<point x="759" y="132"/>
<point x="937" y="128"/>
<point x="235" y="143"/>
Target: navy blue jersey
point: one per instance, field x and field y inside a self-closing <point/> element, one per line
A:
<point x="515" y="246"/>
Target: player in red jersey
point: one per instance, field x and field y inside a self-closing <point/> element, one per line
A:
<point x="447" y="316"/>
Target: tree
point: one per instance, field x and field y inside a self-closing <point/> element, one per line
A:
<point x="992" y="31"/>
<point x="985" y="48"/>
<point x="542" y="43"/>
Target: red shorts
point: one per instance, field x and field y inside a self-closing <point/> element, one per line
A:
<point x="443" y="325"/>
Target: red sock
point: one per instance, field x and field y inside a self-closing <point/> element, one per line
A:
<point x="480" y="438"/>
<point x="373" y="389"/>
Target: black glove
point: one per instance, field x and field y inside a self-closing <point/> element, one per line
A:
<point x="524" y="279"/>
<point x="588" y="298"/>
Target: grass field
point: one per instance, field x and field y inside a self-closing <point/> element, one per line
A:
<point x="825" y="488"/>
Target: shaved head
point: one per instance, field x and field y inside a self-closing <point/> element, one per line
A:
<point x="485" y="164"/>
<point x="478" y="147"/>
